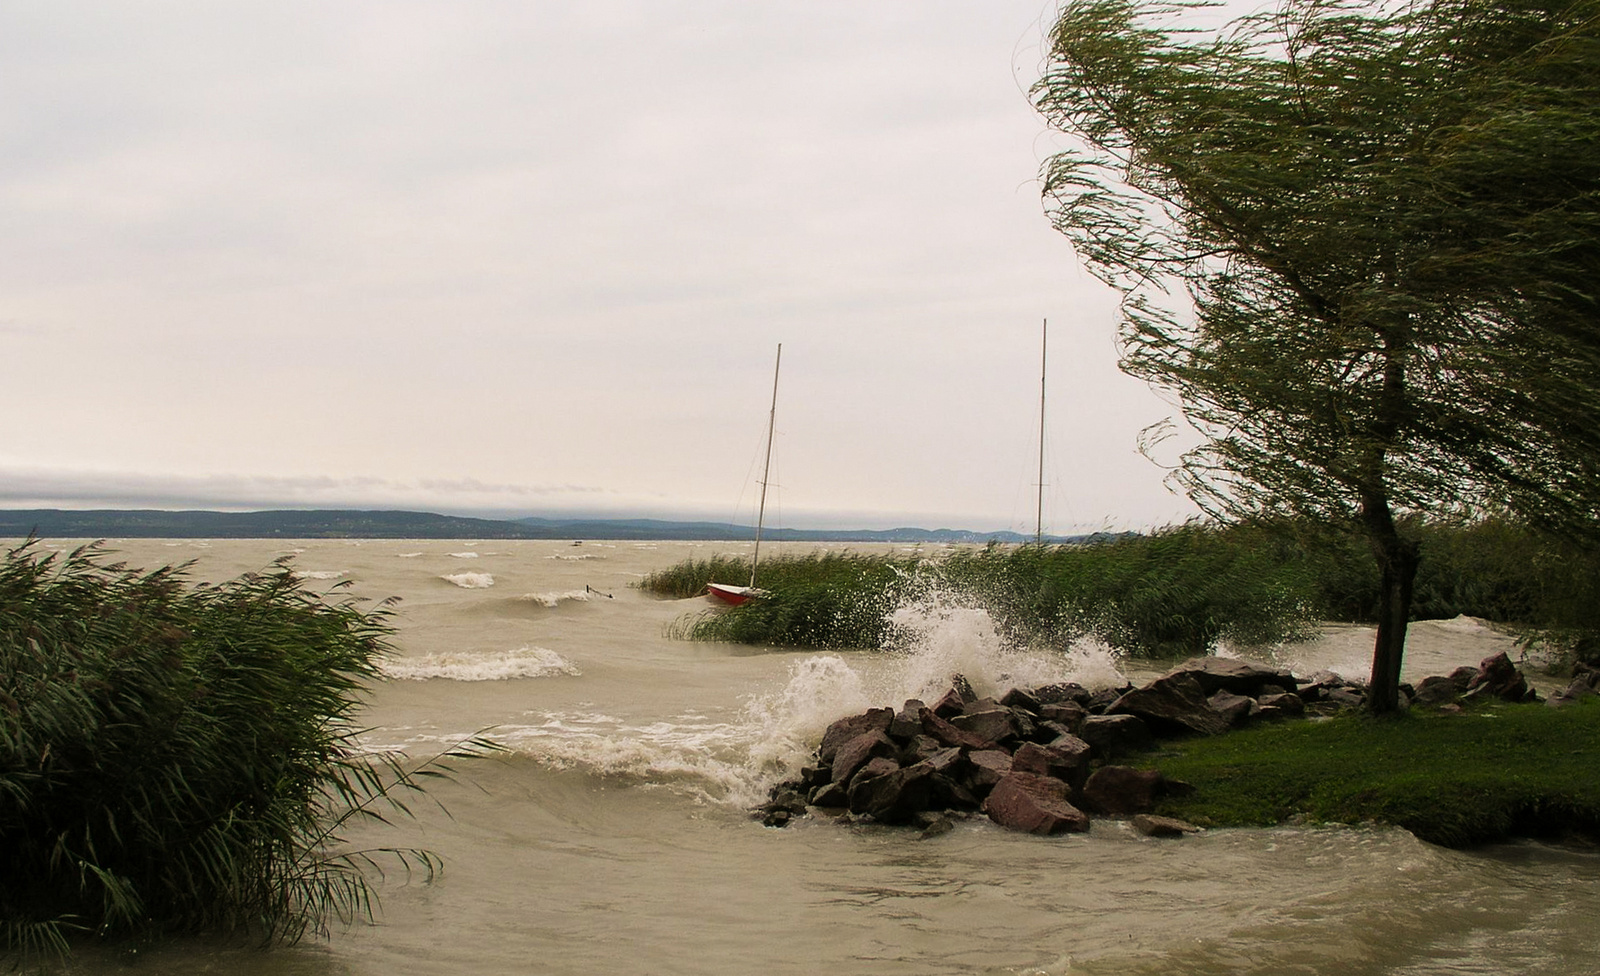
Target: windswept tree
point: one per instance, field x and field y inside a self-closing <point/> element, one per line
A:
<point x="1361" y="243"/>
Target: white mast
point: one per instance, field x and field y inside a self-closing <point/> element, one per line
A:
<point x="772" y="419"/>
<point x="1044" y="336"/>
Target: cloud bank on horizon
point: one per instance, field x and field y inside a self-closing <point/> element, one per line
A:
<point x="536" y="258"/>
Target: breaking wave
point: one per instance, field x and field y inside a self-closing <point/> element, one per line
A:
<point x="470" y="581"/>
<point x="556" y="599"/>
<point x="522" y="662"/>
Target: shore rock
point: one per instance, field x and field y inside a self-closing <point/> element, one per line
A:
<point x="1034" y="804"/>
<point x="1175" y="702"/>
<point x="1499" y="678"/>
<point x="1122" y="790"/>
<point x="1151" y="825"/>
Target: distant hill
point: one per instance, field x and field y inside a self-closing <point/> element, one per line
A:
<point x="342" y="524"/>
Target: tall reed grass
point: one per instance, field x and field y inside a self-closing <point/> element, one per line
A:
<point x="183" y="757"/>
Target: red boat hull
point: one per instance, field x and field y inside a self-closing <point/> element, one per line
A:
<point x="733" y="595"/>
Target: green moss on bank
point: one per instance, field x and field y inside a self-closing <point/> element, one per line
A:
<point x="1456" y="780"/>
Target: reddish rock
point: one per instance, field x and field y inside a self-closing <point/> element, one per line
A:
<point x="987" y="767"/>
<point x="1122" y="790"/>
<point x="1153" y="826"/>
<point x="1057" y="694"/>
<point x="950" y="705"/>
<point x="842" y="731"/>
<point x="908" y="721"/>
<point x="1064" y="762"/>
<point x="898" y="796"/>
<point x="950" y="735"/>
<point x="1111" y="736"/>
<point x="1175" y="703"/>
<point x="1034" y="804"/>
<point x="852" y="755"/>
<point x="1289" y="703"/>
<point x="1070" y="714"/>
<point x="1017" y="698"/>
<point x="1230" y="674"/>
<point x="1237" y="709"/>
<point x="1498" y="677"/>
<point x="989" y="724"/>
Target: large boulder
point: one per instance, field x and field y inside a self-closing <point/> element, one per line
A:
<point x="842" y="731"/>
<point x="1585" y="684"/>
<point x="1122" y="790"/>
<point x="1034" y="804"/>
<point x="950" y="735"/>
<point x="895" y="797"/>
<point x="1497" y="677"/>
<point x="986" y="768"/>
<point x="1236" y="709"/>
<point x="1066" y="760"/>
<point x="1111" y="736"/>
<point x="1068" y="714"/>
<point x="1230" y="674"/>
<point x="907" y="721"/>
<point x="852" y="755"/>
<point x="1175" y="703"/>
<point x="995" y="724"/>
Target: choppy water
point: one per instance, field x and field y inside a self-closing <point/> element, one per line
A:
<point x="614" y="837"/>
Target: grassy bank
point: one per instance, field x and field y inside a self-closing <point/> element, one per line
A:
<point x="1487" y="774"/>
<point x="182" y="758"/>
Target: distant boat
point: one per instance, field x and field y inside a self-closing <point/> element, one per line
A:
<point x="730" y="593"/>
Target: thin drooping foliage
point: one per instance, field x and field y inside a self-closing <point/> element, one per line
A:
<point x="1361" y="242"/>
<point x="179" y="757"/>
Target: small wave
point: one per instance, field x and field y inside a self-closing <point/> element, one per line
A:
<point x="407" y="555"/>
<point x="555" y="599"/>
<point x="462" y="555"/>
<point x="470" y="581"/>
<point x="327" y="574"/>
<point x="522" y="662"/>
<point x="573" y="559"/>
<point x="692" y="753"/>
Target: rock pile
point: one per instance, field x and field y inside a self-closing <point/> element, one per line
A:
<point x="1042" y="760"/>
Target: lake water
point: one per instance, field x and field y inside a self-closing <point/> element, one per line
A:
<point x="614" y="837"/>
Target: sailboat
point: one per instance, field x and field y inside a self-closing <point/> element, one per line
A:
<point x="727" y="592"/>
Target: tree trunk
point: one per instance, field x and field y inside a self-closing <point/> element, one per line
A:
<point x="1397" y="560"/>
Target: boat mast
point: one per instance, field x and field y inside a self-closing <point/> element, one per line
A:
<point x="772" y="419"/>
<point x="1044" y="337"/>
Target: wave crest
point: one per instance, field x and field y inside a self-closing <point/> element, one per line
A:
<point x="523" y="662"/>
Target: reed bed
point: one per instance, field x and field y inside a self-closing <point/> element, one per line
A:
<point x="1175" y="592"/>
<point x="179" y="757"/>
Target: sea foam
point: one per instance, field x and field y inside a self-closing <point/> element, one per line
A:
<point x="470" y="581"/>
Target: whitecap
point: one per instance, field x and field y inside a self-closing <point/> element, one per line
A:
<point x="462" y="555"/>
<point x="470" y="581"/>
<point x="323" y="574"/>
<point x="407" y="555"/>
<point x="523" y="662"/>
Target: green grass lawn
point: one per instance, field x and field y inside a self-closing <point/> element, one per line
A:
<point x="1486" y="774"/>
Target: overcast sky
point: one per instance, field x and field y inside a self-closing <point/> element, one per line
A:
<point x="536" y="257"/>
